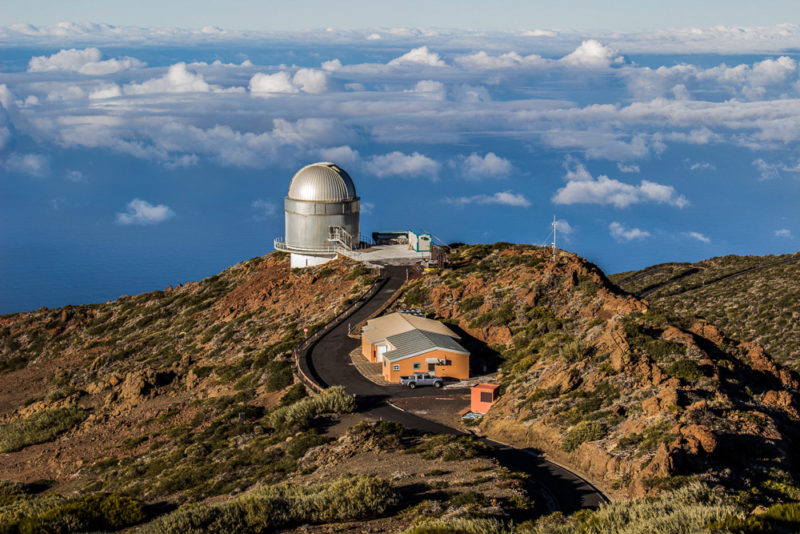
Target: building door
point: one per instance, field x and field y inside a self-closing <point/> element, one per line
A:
<point x="381" y="350"/>
<point x="432" y="369"/>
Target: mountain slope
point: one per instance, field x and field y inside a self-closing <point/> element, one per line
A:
<point x="610" y="387"/>
<point x="752" y="298"/>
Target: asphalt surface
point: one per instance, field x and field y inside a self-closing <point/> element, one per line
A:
<point x="328" y="360"/>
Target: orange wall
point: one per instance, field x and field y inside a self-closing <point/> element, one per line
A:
<point x="478" y="406"/>
<point x="366" y="349"/>
<point x="458" y="368"/>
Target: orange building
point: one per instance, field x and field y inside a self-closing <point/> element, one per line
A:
<point x="482" y="396"/>
<point x="405" y="344"/>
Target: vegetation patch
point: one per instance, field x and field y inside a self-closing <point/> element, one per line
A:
<point x="449" y="447"/>
<point x="586" y="431"/>
<point x="275" y="507"/>
<point x="40" y="427"/>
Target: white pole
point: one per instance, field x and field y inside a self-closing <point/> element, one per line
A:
<point x="555" y="225"/>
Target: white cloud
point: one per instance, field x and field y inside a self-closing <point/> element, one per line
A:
<point x="343" y="155"/>
<point x="310" y="131"/>
<point x="784" y="233"/>
<point x="627" y="168"/>
<point x="263" y="209"/>
<point x="419" y="56"/>
<point x="582" y="188"/>
<point x="178" y="79"/>
<point x="702" y="166"/>
<point x="106" y="91"/>
<point x="622" y="234"/>
<point x="490" y="165"/>
<point x="430" y="88"/>
<point x="770" y="171"/>
<point x="482" y="60"/>
<point x="399" y="164"/>
<point x="277" y="83"/>
<point x="141" y="212"/>
<point x="86" y="61"/>
<point x="306" y="80"/>
<point x="65" y="92"/>
<point x="592" y="54"/>
<point x="698" y="236"/>
<point x="311" y="81"/>
<point x="367" y="208"/>
<point x="6" y="96"/>
<point x="35" y="165"/>
<point x="332" y="66"/>
<point x="564" y="228"/>
<point x="75" y="176"/>
<point x="503" y="198"/>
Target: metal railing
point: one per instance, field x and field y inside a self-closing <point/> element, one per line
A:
<point x="280" y="244"/>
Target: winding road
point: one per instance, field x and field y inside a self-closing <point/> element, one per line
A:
<point x="327" y="362"/>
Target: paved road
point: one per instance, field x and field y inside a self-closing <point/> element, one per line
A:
<point x="329" y="363"/>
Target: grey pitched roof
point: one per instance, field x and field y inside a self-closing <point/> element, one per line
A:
<point x="416" y="342"/>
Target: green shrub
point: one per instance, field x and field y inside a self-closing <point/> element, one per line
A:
<point x="688" y="509"/>
<point x="53" y="513"/>
<point x="416" y="296"/>
<point x="581" y="433"/>
<point x="280" y="375"/>
<point x="469" y="498"/>
<point x="471" y="303"/>
<point x="300" y="444"/>
<point x="449" y="447"/>
<point x="293" y="394"/>
<point x="385" y="435"/>
<point x="685" y="369"/>
<point x="277" y="507"/>
<point x="40" y="427"/>
<point x="459" y="526"/>
<point x="300" y="414"/>
<point x="572" y="351"/>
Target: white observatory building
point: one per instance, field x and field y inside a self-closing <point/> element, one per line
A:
<point x="322" y="215"/>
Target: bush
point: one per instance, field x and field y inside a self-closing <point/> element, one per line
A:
<point x="685" y="369"/>
<point x="294" y="394"/>
<point x="459" y="526"/>
<point x="53" y="513"/>
<point x="300" y="444"/>
<point x="471" y="303"/>
<point x="449" y="447"/>
<point x="280" y="375"/>
<point x="300" y="414"/>
<point x="688" y="509"/>
<point x="416" y="296"/>
<point x="582" y="433"/>
<point x="40" y="427"/>
<point x="276" y="507"/>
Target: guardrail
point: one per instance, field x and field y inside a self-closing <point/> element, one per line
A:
<point x="301" y="351"/>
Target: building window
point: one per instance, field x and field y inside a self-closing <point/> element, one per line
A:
<point x="417" y="366"/>
<point x="395" y="367"/>
<point x="384" y="363"/>
<point x="486" y="396"/>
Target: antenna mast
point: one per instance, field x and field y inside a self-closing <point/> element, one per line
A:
<point x="555" y="225"/>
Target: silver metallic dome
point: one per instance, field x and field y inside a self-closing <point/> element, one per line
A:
<point x="326" y="182"/>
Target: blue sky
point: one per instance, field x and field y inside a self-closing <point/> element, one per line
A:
<point x="355" y="14"/>
<point x="136" y="157"/>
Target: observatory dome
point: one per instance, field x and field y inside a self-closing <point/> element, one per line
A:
<point x="322" y="182"/>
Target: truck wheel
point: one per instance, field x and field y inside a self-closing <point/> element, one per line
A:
<point x="412" y="385"/>
<point x="437" y="384"/>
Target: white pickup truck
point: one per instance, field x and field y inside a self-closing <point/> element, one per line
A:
<point x="421" y="379"/>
